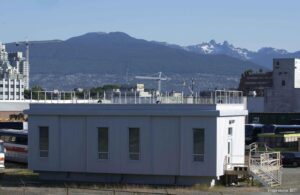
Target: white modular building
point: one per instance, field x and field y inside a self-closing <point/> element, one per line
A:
<point x="136" y="143"/>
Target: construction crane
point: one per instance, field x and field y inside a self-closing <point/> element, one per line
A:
<point x="26" y="43"/>
<point x="158" y="77"/>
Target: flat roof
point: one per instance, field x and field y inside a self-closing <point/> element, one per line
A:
<point x="137" y="109"/>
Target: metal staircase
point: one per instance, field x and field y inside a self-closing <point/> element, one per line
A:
<point x="265" y="165"/>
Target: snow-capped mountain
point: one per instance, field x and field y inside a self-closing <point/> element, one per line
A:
<point x="263" y="56"/>
<point x="224" y="48"/>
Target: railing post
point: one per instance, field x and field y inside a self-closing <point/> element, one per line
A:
<point x="215" y="97"/>
<point x="125" y="97"/>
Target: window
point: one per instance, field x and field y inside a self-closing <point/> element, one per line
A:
<point x="283" y="83"/>
<point x="229" y="151"/>
<point x="134" y="143"/>
<point x="1" y="147"/>
<point x="230" y="131"/>
<point x="44" y="141"/>
<point x="198" y="144"/>
<point x="229" y="147"/>
<point x="103" y="143"/>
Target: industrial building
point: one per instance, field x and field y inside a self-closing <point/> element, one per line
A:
<point x="255" y="83"/>
<point x="273" y="92"/>
<point x="168" y="143"/>
<point x="284" y="96"/>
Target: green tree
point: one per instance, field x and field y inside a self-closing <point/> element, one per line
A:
<point x="34" y="93"/>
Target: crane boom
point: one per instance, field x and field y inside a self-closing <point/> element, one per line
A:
<point x="158" y="78"/>
<point x="151" y="78"/>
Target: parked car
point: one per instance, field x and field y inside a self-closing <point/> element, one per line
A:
<point x="290" y="159"/>
<point x="2" y="156"/>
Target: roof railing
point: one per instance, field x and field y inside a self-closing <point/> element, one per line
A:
<point x="135" y="97"/>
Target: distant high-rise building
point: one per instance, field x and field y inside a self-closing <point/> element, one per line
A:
<point x="14" y="75"/>
<point x="17" y="60"/>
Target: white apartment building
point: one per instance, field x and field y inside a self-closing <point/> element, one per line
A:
<point x="11" y="89"/>
<point x="14" y="75"/>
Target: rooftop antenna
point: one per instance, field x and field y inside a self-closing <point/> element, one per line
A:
<point x="127" y="80"/>
<point x="158" y="77"/>
<point x="190" y="87"/>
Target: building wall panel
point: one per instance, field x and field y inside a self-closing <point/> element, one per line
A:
<point x="52" y="162"/>
<point x="72" y="138"/>
<point x="187" y="165"/>
<point x="165" y="144"/>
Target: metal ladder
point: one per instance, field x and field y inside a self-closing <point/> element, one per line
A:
<point x="265" y="165"/>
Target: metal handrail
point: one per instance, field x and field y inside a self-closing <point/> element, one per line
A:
<point x="268" y="173"/>
<point x="265" y="161"/>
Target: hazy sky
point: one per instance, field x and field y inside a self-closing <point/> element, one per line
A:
<point x="251" y="24"/>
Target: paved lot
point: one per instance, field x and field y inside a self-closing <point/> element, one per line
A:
<point x="291" y="178"/>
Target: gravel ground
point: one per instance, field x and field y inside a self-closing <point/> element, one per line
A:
<point x="19" y="180"/>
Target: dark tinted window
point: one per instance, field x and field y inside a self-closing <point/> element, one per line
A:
<point x="1" y="148"/>
<point x="44" y="141"/>
<point x="288" y="155"/>
<point x="198" y="144"/>
<point x="134" y="143"/>
<point x="103" y="143"/>
<point x="297" y="154"/>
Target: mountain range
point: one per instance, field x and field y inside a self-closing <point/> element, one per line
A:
<point x="263" y="56"/>
<point x="98" y="58"/>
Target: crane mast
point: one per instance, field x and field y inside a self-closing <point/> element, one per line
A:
<point x="26" y="68"/>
